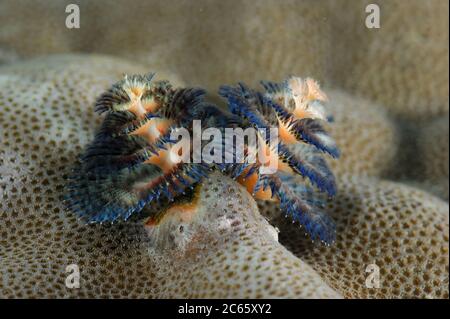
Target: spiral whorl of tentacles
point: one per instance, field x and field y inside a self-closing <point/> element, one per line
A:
<point x="296" y="108"/>
<point x="133" y="162"/>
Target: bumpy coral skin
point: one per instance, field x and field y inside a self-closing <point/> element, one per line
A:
<point x="402" y="230"/>
<point x="227" y="247"/>
<point x="368" y="137"/>
<point x="403" y="64"/>
<point x="50" y="37"/>
<point x="39" y="238"/>
<point x="187" y="39"/>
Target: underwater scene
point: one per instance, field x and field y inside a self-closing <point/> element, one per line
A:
<point x="239" y="149"/>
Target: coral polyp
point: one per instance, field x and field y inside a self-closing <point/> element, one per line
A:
<point x="135" y="164"/>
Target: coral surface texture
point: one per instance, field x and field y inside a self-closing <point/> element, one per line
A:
<point x="388" y="103"/>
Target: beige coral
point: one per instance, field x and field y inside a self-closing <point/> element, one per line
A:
<point x="188" y="39"/>
<point x="365" y="134"/>
<point x="47" y="117"/>
<point x="229" y="250"/>
<point x="403" y="64"/>
<point x="41" y="29"/>
<point x="401" y="230"/>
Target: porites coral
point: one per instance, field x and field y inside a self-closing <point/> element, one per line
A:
<point x="54" y="96"/>
<point x="398" y="230"/>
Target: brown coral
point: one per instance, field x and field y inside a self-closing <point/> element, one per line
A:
<point x="403" y="64"/>
<point x="401" y="230"/>
<point x="46" y="117"/>
<point x="230" y="33"/>
<point x="365" y="134"/>
<point x="46" y="120"/>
